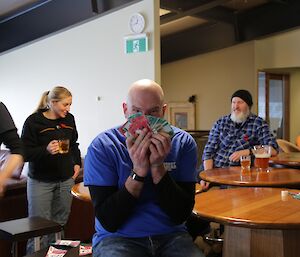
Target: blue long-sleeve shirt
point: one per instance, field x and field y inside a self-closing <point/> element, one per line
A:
<point x="227" y="137"/>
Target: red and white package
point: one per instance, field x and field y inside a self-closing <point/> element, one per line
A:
<point x="70" y="243"/>
<point x="85" y="250"/>
<point x="54" y="252"/>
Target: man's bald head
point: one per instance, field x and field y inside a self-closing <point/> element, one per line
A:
<point x="145" y="86"/>
<point x="145" y="96"/>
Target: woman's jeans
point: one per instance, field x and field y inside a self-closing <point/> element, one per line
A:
<point x="49" y="200"/>
<point x="178" y="244"/>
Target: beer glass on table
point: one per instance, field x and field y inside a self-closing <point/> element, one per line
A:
<point x="245" y="174"/>
<point x="262" y="155"/>
<point x="245" y="161"/>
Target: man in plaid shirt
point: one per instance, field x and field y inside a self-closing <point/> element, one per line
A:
<point x="235" y="134"/>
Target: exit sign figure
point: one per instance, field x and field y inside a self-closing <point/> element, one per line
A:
<point x="136" y="43"/>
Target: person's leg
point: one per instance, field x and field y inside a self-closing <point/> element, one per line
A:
<point x="61" y="204"/>
<point x="62" y="201"/>
<point x="39" y="196"/>
<point x="121" y="247"/>
<point x="177" y="245"/>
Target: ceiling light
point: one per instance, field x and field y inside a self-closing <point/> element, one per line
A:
<point x="163" y="12"/>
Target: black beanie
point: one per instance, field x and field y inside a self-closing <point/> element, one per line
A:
<point x="245" y="95"/>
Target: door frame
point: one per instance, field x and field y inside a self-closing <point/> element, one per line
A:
<point x="285" y="77"/>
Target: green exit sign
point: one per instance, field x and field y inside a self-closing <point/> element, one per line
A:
<point x="136" y="44"/>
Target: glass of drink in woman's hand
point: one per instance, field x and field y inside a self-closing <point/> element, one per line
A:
<point x="63" y="146"/>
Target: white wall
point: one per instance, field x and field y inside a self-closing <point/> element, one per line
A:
<point x="282" y="52"/>
<point x="278" y="51"/>
<point x="89" y="60"/>
<point x="212" y="77"/>
<point x="294" y="105"/>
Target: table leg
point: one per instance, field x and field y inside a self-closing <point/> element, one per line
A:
<point x="37" y="243"/>
<point x="246" y="242"/>
<point x="57" y="236"/>
<point x="14" y="250"/>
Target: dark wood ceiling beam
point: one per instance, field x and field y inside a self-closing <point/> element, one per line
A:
<point x="104" y="6"/>
<point x="46" y="19"/>
<point x="52" y="16"/>
<point x="219" y="13"/>
<point x="280" y="1"/>
<point x="181" y="5"/>
<point x="249" y="25"/>
<point x="268" y="19"/>
<point x="24" y="9"/>
<point x="95" y="6"/>
<point x="191" y="12"/>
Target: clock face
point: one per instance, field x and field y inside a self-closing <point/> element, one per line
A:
<point x="137" y="23"/>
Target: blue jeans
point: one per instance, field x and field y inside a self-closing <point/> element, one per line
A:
<point x="49" y="200"/>
<point x="178" y="244"/>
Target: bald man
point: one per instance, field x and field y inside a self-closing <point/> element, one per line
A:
<point x="143" y="188"/>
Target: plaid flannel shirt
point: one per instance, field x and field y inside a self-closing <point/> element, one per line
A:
<point x="227" y="137"/>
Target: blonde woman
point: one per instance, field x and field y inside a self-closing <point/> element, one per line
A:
<point x="51" y="171"/>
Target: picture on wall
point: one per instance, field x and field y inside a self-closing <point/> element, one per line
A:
<point x="181" y="115"/>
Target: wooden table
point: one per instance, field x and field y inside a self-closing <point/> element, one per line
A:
<point x="258" y="221"/>
<point x="81" y="192"/>
<point x="287" y="159"/>
<point x="234" y="176"/>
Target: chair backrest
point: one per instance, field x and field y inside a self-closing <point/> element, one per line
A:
<point x="298" y="141"/>
<point x="201" y="137"/>
<point x="287" y="146"/>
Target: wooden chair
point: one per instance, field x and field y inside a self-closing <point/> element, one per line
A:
<point x="298" y="141"/>
<point x="287" y="147"/>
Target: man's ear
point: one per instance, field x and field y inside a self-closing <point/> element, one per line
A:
<point x="125" y="108"/>
<point x="164" y="108"/>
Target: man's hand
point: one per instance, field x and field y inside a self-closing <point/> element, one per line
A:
<point x="138" y="149"/>
<point x="204" y="185"/>
<point x="235" y="157"/>
<point x="159" y="149"/>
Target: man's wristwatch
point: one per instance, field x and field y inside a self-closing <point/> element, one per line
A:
<point x="136" y="177"/>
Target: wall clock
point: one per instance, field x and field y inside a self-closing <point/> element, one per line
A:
<point x="137" y="23"/>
